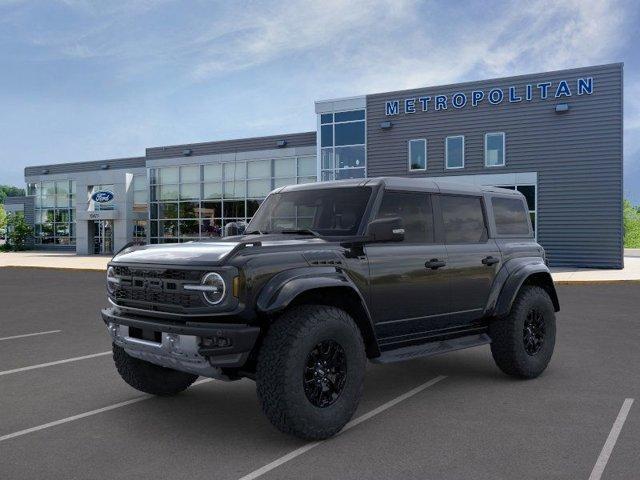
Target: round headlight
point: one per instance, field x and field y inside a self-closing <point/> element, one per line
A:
<point x="214" y="288"/>
<point x="112" y="280"/>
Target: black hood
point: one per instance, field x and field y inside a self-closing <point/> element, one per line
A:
<point x="209" y="253"/>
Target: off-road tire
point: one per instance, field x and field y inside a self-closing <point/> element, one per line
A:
<point x="281" y="367"/>
<point x="507" y="339"/>
<point x="150" y="378"/>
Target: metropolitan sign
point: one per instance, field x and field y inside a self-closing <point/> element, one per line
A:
<point x="493" y="96"/>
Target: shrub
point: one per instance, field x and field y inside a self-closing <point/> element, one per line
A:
<point x="18" y="231"/>
<point x="631" y="225"/>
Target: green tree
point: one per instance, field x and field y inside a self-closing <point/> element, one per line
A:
<point x="9" y="191"/>
<point x="18" y="231"/>
<point x="3" y="218"/>
<point x="631" y="216"/>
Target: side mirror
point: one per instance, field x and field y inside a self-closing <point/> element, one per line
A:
<point x="385" y="230"/>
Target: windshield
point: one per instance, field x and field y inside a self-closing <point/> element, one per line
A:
<point x="322" y="211"/>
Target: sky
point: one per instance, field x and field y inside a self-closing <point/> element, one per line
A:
<point x="88" y="80"/>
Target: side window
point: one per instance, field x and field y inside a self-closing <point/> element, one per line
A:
<point x="415" y="211"/>
<point x="463" y="219"/>
<point x="510" y="215"/>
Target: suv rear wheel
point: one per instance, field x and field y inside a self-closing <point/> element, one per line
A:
<point x="150" y="378"/>
<point x="310" y="371"/>
<point x="523" y="341"/>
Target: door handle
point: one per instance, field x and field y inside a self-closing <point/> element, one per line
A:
<point x="488" y="261"/>
<point x="434" y="264"/>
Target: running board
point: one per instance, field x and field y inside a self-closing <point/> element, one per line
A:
<point x="432" y="348"/>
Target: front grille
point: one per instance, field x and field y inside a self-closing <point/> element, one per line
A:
<point x="157" y="287"/>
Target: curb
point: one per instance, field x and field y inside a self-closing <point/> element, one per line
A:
<point x="595" y="282"/>
<point x="79" y="269"/>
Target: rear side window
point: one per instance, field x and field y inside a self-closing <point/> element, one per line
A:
<point x="510" y="215"/>
<point x="415" y="211"/>
<point x="463" y="219"/>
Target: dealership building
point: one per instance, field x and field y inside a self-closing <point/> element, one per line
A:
<point x="554" y="136"/>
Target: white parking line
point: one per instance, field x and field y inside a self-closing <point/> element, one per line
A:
<point x="58" y="362"/>
<point x="299" y="451"/>
<point x="29" y="335"/>
<point x="86" y="414"/>
<point x="601" y="463"/>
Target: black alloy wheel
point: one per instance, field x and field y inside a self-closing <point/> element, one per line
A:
<point x="533" y="332"/>
<point x="325" y="373"/>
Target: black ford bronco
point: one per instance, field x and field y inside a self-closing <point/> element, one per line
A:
<point x="327" y="276"/>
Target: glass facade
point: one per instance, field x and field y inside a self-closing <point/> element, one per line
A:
<point x="55" y="222"/>
<point x="342" y="143"/>
<point x="192" y="202"/>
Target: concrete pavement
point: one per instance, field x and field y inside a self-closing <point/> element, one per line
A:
<point x="476" y="423"/>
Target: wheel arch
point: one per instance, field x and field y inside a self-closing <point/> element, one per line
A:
<point x="522" y="274"/>
<point x="325" y="286"/>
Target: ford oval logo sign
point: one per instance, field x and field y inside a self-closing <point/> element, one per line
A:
<point x="102" y="197"/>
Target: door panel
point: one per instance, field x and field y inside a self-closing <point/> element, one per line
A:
<point x="474" y="259"/>
<point x="407" y="295"/>
<point x="470" y="279"/>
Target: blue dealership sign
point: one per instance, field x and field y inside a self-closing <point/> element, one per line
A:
<point x="494" y="96"/>
<point x="104" y="196"/>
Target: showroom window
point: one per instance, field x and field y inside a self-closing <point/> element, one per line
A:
<point x="494" y="150"/>
<point x="55" y="222"/>
<point x="140" y="230"/>
<point x="342" y="143"/>
<point x="417" y="155"/>
<point x="454" y="152"/>
<point x="140" y="193"/>
<point x="194" y="202"/>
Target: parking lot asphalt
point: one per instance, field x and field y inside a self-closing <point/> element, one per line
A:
<point x="474" y="424"/>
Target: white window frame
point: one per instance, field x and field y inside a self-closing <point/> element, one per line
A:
<point x="409" y="155"/>
<point x="504" y="149"/>
<point x="446" y="152"/>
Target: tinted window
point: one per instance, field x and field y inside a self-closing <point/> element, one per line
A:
<point x="326" y="118"/>
<point x="415" y="211"/>
<point x="494" y="149"/>
<point x="417" y="154"/>
<point x="510" y="215"/>
<point x="349" y="133"/>
<point x="529" y="192"/>
<point x="349" y="116"/>
<point x="455" y="152"/>
<point x="463" y="219"/>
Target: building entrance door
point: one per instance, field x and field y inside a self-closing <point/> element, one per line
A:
<point x="102" y="237"/>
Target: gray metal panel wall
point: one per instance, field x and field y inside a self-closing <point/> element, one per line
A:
<point x="229" y="146"/>
<point x="28" y="208"/>
<point x="94" y="165"/>
<point x="577" y="154"/>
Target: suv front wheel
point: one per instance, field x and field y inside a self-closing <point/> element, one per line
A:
<point x="522" y="342"/>
<point x="310" y="371"/>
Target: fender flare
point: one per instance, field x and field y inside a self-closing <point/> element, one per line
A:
<point x="518" y="271"/>
<point x="286" y="286"/>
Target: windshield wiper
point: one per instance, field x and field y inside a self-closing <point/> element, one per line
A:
<point x="255" y="232"/>
<point x="308" y="231"/>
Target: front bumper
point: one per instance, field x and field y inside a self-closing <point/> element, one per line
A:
<point x="195" y="347"/>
